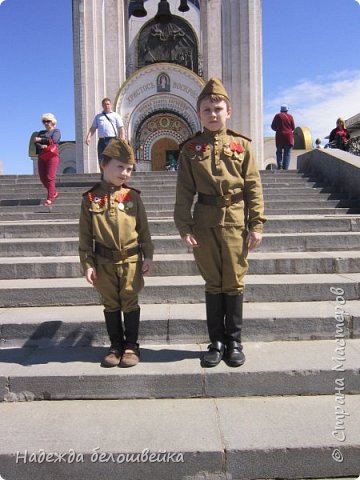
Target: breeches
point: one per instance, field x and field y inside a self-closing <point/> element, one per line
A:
<point x="119" y="285"/>
<point x="221" y="258"/>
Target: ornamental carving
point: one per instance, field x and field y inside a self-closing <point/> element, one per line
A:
<point x="173" y="42"/>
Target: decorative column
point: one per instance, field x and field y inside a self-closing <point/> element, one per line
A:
<point x="242" y="68"/>
<point x="211" y="43"/>
<point x="99" y="36"/>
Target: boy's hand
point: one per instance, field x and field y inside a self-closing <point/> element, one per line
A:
<point x="146" y="266"/>
<point x="189" y="240"/>
<point x="90" y="275"/>
<point x="253" y="240"/>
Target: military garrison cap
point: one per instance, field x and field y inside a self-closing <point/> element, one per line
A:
<point x="213" y="87"/>
<point x="120" y="150"/>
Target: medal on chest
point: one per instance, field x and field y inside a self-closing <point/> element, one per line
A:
<point x="124" y="201"/>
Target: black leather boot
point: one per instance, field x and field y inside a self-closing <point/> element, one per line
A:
<point x="234" y="354"/>
<point x="233" y="324"/>
<point x="116" y="335"/>
<point x="214" y="354"/>
<point x="132" y="322"/>
<point x="215" y="312"/>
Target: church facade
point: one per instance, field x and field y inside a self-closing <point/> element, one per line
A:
<point x="152" y="58"/>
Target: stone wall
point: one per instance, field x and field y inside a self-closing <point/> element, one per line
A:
<point x="335" y="167"/>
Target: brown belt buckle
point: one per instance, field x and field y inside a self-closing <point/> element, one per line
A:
<point x="119" y="255"/>
<point x="123" y="254"/>
<point x="227" y="200"/>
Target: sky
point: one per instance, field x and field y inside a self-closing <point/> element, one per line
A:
<point x="311" y="62"/>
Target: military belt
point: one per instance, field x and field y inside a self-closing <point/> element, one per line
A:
<point x="220" y="201"/>
<point x="116" y="255"/>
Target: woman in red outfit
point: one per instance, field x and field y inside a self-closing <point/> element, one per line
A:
<point x="339" y="135"/>
<point x="47" y="168"/>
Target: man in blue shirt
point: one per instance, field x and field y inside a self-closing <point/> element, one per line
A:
<point x="109" y="125"/>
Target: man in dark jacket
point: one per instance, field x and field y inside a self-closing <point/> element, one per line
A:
<point x="283" y="124"/>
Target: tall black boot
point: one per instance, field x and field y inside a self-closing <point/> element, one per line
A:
<point x="215" y="312"/>
<point x="233" y="324"/>
<point x="132" y="322"/>
<point x="131" y="355"/>
<point x="116" y="336"/>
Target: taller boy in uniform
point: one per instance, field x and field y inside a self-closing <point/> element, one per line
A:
<point x="218" y="165"/>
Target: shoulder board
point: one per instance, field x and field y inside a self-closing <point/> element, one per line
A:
<point x="237" y="134"/>
<point x="131" y="188"/>
<point x="91" y="189"/>
<point x="197" y="134"/>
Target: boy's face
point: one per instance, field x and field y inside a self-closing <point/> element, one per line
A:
<point x="213" y="115"/>
<point x="116" y="172"/>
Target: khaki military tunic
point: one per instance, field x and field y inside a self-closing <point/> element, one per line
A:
<point x="115" y="218"/>
<point x="219" y="163"/>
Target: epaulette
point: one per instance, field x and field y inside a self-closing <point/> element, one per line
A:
<point x="237" y="134"/>
<point x="131" y="188"/>
<point x="189" y="138"/>
<point x="91" y="189"/>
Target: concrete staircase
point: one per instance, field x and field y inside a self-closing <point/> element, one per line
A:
<point x="292" y="411"/>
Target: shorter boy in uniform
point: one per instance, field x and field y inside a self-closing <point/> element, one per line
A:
<point x="114" y="235"/>
<point x="217" y="164"/>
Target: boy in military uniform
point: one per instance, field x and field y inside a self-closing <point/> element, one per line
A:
<point x="217" y="164"/>
<point x="114" y="234"/>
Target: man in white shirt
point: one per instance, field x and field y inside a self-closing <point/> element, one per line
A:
<point x="109" y="125"/>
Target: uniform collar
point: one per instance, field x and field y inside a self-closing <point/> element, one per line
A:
<point x="109" y="187"/>
<point x="213" y="135"/>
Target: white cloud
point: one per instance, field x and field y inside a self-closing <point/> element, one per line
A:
<point x="317" y="103"/>
<point x="2" y="1"/>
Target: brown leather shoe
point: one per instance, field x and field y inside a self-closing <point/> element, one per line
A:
<point x="130" y="356"/>
<point x="112" y="358"/>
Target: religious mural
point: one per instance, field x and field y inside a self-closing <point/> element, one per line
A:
<point x="173" y="42"/>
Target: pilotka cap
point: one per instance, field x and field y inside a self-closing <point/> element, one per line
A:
<point x="120" y="150"/>
<point x="213" y="87"/>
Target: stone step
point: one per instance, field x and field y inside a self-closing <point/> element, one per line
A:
<point x="8" y="193"/>
<point x="172" y="244"/>
<point x="147" y="176"/>
<point x="69" y="326"/>
<point x="74" y="198"/>
<point x="175" y="371"/>
<point x="170" y="189"/>
<point x="216" y="436"/>
<point x="155" y="204"/>
<point x="166" y="203"/>
<point x="184" y="289"/>
<point x="138" y="177"/>
<point x="12" y="267"/>
<point x="56" y="213"/>
<point x="165" y="226"/>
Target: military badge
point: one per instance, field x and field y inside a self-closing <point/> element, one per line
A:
<point x="237" y="150"/>
<point x="100" y="201"/>
<point x="198" y="147"/>
<point x="227" y="149"/>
